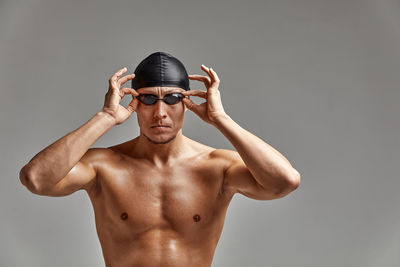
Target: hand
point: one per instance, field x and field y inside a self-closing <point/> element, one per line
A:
<point x="115" y="94"/>
<point x="210" y="110"/>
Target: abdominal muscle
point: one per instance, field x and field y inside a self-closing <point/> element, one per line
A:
<point x="156" y="247"/>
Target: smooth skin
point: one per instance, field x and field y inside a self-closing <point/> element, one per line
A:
<point x="161" y="198"/>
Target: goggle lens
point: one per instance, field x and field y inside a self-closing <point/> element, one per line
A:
<point x="170" y="99"/>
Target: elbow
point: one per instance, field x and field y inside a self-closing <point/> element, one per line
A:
<point x="294" y="180"/>
<point x="288" y="184"/>
<point x="28" y="179"/>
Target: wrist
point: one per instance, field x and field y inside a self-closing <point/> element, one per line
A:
<point x="220" y="119"/>
<point x="107" y="116"/>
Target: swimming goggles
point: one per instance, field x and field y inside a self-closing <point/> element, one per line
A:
<point x="170" y="99"/>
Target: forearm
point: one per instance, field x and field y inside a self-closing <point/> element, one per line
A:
<point x="55" y="161"/>
<point x="262" y="160"/>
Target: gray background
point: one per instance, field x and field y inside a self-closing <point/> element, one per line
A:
<point x="317" y="80"/>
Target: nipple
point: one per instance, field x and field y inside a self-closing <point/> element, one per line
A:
<point x="196" y="217"/>
<point x="124" y="216"/>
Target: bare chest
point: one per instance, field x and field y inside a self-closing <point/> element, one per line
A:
<point x="186" y="199"/>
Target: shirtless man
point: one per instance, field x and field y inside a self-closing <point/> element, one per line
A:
<point x="161" y="198"/>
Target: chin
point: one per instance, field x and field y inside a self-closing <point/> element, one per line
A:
<point x="160" y="138"/>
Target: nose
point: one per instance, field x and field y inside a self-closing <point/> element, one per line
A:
<point x="160" y="110"/>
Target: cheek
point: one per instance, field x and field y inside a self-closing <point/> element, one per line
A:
<point x="179" y="118"/>
<point x="141" y="117"/>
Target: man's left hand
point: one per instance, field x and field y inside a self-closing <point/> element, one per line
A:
<point x="212" y="109"/>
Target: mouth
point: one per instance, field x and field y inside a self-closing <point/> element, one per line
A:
<point x="161" y="128"/>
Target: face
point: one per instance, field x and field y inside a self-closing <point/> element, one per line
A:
<point x="171" y="117"/>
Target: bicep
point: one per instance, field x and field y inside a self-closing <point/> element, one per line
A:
<point x="239" y="179"/>
<point x="79" y="177"/>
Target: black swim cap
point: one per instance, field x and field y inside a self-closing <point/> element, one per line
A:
<point x="160" y="69"/>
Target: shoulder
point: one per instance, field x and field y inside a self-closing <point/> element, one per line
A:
<point x="214" y="153"/>
<point x="99" y="153"/>
<point x="225" y="154"/>
<point x="223" y="158"/>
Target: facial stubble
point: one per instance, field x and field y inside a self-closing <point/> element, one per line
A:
<point x="160" y="143"/>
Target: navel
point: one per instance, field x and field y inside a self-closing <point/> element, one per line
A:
<point x="196" y="217"/>
<point x="124" y="216"/>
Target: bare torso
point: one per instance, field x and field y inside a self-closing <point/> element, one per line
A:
<point x="159" y="216"/>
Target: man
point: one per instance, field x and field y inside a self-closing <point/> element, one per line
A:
<point x="160" y="199"/>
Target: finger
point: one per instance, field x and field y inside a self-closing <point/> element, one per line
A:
<point x="214" y="75"/>
<point x="199" y="93"/>
<point x="125" y="90"/>
<point x="215" y="81"/>
<point x="132" y="105"/>
<point x="120" y="72"/>
<point x="190" y="105"/>
<point x="125" y="79"/>
<point x="205" y="69"/>
<point x="116" y="75"/>
<point x="201" y="78"/>
<point x="208" y="71"/>
<point x="135" y="93"/>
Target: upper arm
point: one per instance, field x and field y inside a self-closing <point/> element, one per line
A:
<point x="239" y="179"/>
<point x="81" y="176"/>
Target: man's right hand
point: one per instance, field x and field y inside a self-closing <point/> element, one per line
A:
<point x="51" y="173"/>
<point x="115" y="94"/>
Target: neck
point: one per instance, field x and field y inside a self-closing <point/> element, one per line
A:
<point x="160" y="153"/>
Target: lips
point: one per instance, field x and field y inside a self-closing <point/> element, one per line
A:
<point x="166" y="126"/>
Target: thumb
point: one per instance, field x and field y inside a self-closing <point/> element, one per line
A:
<point x="132" y="105"/>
